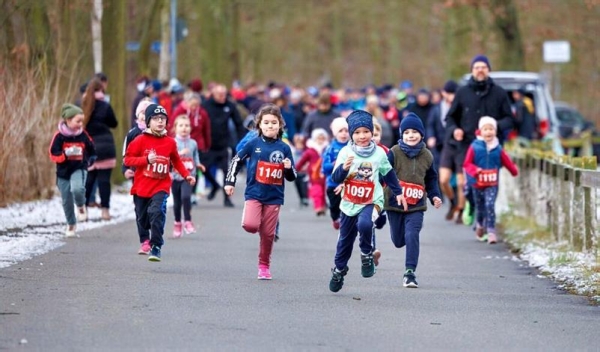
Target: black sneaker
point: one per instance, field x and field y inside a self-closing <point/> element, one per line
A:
<point x="368" y="265"/>
<point x="276" y="238"/>
<point x="227" y="203"/>
<point x="337" y="279"/>
<point x="213" y="193"/>
<point x="154" y="254"/>
<point x="410" y="280"/>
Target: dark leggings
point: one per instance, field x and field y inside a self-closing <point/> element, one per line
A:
<point x="334" y="203"/>
<point x="182" y="196"/>
<point x="103" y="178"/>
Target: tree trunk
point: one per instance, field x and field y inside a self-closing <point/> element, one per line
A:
<point x="512" y="55"/>
<point x="146" y="39"/>
<point x="234" y="54"/>
<point x="165" y="41"/>
<point x="97" y="35"/>
<point x="457" y="36"/>
<point x="115" y="27"/>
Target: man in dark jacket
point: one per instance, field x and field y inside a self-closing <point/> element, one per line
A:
<point x="480" y="97"/>
<point x="220" y="111"/>
<point x="436" y="122"/>
<point x="320" y="118"/>
<point x="526" y="121"/>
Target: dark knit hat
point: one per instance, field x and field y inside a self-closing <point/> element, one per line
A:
<point x="359" y="118"/>
<point x="450" y="87"/>
<point x="412" y="121"/>
<point x="69" y="110"/>
<point x="481" y="58"/>
<point x="154" y="110"/>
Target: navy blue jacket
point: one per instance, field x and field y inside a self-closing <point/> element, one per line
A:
<point x="267" y="150"/>
<point x="435" y="127"/>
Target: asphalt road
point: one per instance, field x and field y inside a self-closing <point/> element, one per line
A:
<point x="96" y="293"/>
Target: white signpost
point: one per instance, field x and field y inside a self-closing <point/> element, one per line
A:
<point x="557" y="52"/>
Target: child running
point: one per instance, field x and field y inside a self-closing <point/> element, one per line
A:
<point x="152" y="153"/>
<point x="413" y="165"/>
<point x="359" y="166"/>
<point x="312" y="160"/>
<point x="482" y="164"/>
<point x="339" y="128"/>
<point x="270" y="161"/>
<point x="381" y="220"/>
<point x="128" y="172"/>
<point x="182" y="191"/>
<point x="73" y="151"/>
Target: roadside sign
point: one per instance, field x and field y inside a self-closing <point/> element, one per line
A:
<point x="557" y="51"/>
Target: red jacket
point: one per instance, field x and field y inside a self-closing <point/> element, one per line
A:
<point x="200" y="124"/>
<point x="312" y="161"/>
<point x="149" y="179"/>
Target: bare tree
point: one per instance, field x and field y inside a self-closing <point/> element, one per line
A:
<point x="97" y="35"/>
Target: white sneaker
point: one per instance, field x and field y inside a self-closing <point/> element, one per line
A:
<point x="70" y="232"/>
<point x="82" y="214"/>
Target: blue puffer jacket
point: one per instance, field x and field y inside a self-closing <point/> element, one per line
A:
<point x="484" y="159"/>
<point x="329" y="156"/>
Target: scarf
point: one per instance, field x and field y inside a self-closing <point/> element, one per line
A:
<point x="66" y="131"/>
<point x="411" y="150"/>
<point x="364" y="152"/>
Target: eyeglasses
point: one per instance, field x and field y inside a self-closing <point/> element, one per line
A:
<point x="158" y="118"/>
<point x="480" y="68"/>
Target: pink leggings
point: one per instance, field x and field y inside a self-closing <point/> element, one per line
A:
<point x="261" y="218"/>
<point x="316" y="190"/>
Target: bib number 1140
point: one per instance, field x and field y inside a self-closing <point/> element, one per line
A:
<point x="269" y="173"/>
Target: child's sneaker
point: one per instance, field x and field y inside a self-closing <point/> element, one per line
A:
<point x="410" y="280"/>
<point x="467" y="215"/>
<point x="188" y="227"/>
<point x="264" y="273"/>
<point x="376" y="256"/>
<point x="82" y="214"/>
<point x="368" y="266"/>
<point x="177" y="229"/>
<point x="480" y="233"/>
<point x="337" y="279"/>
<point x="491" y="238"/>
<point x="154" y="254"/>
<point x="145" y="248"/>
<point x="70" y="231"/>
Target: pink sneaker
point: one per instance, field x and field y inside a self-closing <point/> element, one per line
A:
<point x="188" y="227"/>
<point x="145" y="248"/>
<point x="264" y="273"/>
<point x="177" y="230"/>
<point x="336" y="224"/>
<point x="491" y="238"/>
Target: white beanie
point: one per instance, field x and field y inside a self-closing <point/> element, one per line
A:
<point x="338" y="124"/>
<point x="487" y="120"/>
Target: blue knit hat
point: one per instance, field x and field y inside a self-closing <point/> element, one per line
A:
<point x="359" y="118"/>
<point x="412" y="121"/>
<point x="481" y="58"/>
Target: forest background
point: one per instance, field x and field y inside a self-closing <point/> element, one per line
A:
<point x="46" y="54"/>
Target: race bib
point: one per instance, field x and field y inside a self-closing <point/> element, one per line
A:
<point x="487" y="178"/>
<point x="412" y="193"/>
<point x="75" y="150"/>
<point x="188" y="163"/>
<point x="269" y="173"/>
<point x="358" y="192"/>
<point x="159" y="170"/>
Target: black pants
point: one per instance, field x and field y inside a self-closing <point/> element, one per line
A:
<point x="334" y="203"/>
<point x="182" y="197"/>
<point x="151" y="214"/>
<point x="218" y="159"/>
<point x="103" y="178"/>
<point x="301" y="186"/>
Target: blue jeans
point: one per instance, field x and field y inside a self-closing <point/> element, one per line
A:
<point x="72" y="190"/>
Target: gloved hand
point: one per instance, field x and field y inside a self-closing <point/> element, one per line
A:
<point x="381" y="220"/>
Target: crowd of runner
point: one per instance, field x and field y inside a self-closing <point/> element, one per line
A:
<point x="338" y="138"/>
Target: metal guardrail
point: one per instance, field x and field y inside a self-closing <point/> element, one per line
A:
<point x="559" y="193"/>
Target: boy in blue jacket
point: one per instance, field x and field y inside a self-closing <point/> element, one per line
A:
<point x="339" y="128"/>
